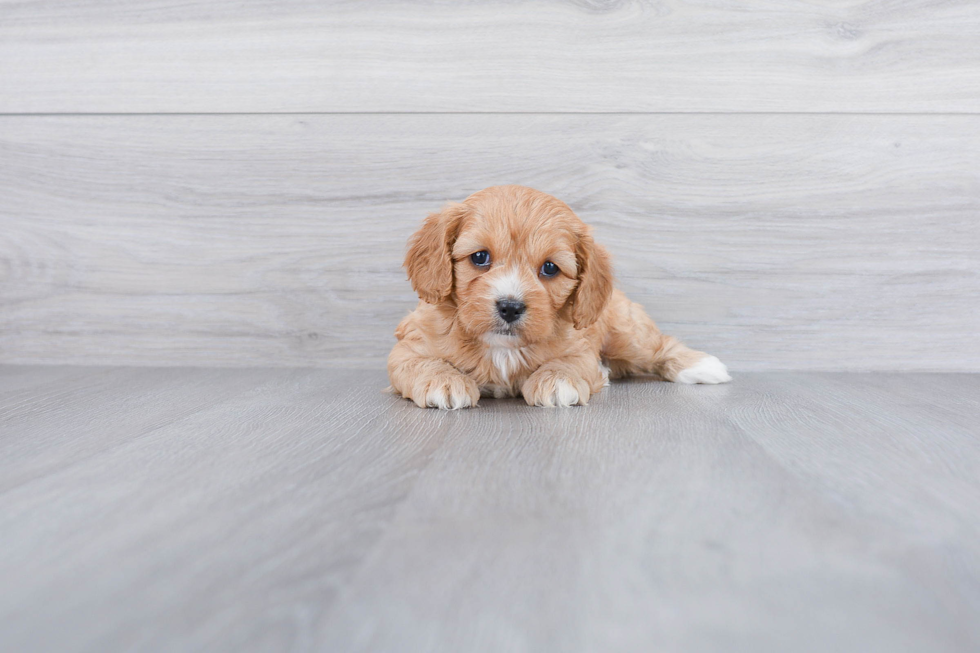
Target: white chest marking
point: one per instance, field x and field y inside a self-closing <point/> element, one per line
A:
<point x="505" y="354"/>
<point x="507" y="361"/>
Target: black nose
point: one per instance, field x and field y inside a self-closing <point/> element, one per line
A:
<point x="510" y="309"/>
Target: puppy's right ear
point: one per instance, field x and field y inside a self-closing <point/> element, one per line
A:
<point x="429" y="260"/>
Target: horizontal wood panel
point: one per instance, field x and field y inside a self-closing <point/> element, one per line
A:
<point x="794" y="241"/>
<point x="304" y="56"/>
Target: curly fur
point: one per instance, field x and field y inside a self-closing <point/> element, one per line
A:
<point x="577" y="328"/>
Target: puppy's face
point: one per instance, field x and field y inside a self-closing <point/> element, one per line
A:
<point x="514" y="271"/>
<point x="516" y="263"/>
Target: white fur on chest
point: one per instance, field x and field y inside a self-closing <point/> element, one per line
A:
<point x="506" y="355"/>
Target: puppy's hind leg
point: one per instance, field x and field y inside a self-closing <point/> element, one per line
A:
<point x="634" y="345"/>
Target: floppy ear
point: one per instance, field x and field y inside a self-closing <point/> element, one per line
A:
<point x="429" y="260"/>
<point x="595" y="282"/>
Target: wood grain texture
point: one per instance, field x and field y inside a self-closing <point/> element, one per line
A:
<point x="31" y="447"/>
<point x="775" y="242"/>
<point x="291" y="472"/>
<point x="305" y="510"/>
<point x="663" y="55"/>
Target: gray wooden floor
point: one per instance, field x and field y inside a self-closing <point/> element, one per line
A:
<point x="297" y="509"/>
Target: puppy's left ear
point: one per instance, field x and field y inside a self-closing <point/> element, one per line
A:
<point x="429" y="260"/>
<point x="595" y="282"/>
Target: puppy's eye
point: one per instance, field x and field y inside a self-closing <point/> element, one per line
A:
<point x="549" y="269"/>
<point x="480" y="259"/>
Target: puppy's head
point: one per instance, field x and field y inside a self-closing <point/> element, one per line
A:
<point x="515" y="262"/>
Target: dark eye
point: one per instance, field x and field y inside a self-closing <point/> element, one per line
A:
<point x="549" y="269"/>
<point x="480" y="259"/>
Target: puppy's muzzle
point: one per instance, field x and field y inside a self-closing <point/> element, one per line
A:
<point x="510" y="310"/>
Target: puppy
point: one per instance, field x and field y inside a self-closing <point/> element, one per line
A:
<point x="517" y="299"/>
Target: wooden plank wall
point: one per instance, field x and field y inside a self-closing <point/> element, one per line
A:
<point x="789" y="185"/>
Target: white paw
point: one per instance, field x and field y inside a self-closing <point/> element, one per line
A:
<point x="447" y="400"/>
<point x="565" y="394"/>
<point x="707" y="370"/>
<point x="549" y="389"/>
<point x="447" y="392"/>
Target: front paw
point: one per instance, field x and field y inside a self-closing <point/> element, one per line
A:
<point x="707" y="370"/>
<point x="549" y="388"/>
<point x="446" y="391"/>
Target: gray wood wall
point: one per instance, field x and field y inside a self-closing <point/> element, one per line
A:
<point x="789" y="185"/>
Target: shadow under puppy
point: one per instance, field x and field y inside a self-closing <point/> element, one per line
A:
<point x="517" y="299"/>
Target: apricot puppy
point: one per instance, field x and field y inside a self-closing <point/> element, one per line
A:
<point x="517" y="299"/>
